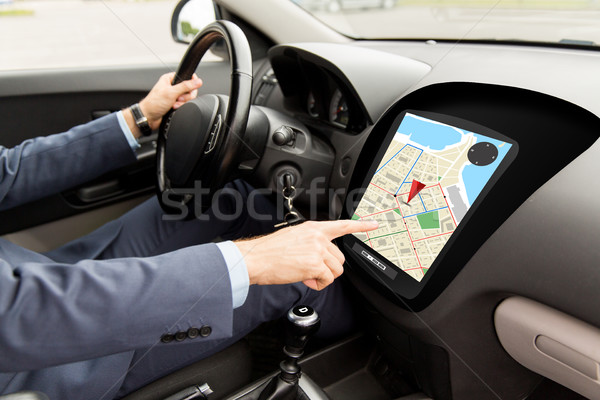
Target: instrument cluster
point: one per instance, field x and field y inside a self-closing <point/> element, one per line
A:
<point x="333" y="107"/>
<point x="318" y="92"/>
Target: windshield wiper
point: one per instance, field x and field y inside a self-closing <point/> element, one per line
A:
<point x="577" y="42"/>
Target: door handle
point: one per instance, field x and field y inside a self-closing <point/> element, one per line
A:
<point x="100" y="113"/>
<point x="100" y="191"/>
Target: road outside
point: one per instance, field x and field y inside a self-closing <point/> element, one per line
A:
<point x="75" y="33"/>
<point x="79" y="33"/>
<point x="532" y="20"/>
<point x="457" y="22"/>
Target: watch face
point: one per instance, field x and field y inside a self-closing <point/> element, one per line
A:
<point x="140" y="120"/>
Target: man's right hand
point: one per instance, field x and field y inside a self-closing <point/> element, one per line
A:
<point x="165" y="96"/>
<point x="299" y="253"/>
<point x="161" y="99"/>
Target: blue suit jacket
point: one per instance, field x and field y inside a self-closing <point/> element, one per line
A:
<point x="70" y="329"/>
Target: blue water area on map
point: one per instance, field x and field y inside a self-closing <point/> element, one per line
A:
<point x="430" y="134"/>
<point x="475" y="177"/>
<point x="427" y="133"/>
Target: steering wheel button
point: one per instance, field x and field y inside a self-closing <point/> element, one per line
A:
<point x="214" y="136"/>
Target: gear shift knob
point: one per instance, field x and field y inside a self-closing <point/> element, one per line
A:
<point x="303" y="322"/>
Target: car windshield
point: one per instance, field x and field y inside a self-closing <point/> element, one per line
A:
<point x="559" y="21"/>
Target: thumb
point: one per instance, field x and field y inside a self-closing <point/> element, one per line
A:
<point x="311" y="283"/>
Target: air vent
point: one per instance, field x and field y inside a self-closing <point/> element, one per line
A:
<point x="267" y="84"/>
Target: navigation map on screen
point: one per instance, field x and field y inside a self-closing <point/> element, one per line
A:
<point x="426" y="182"/>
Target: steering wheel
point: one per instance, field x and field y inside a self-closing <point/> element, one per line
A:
<point x="200" y="144"/>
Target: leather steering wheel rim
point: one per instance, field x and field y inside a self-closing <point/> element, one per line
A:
<point x="230" y="136"/>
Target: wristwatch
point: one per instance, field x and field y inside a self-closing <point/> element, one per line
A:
<point x="140" y="119"/>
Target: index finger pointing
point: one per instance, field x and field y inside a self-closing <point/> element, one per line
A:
<point x="339" y="228"/>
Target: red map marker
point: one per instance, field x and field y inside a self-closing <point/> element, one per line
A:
<point x="415" y="188"/>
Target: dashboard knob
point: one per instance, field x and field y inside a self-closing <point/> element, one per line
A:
<point x="283" y="135"/>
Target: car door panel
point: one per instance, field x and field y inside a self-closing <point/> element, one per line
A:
<point x="39" y="103"/>
<point x="48" y="236"/>
<point x="35" y="103"/>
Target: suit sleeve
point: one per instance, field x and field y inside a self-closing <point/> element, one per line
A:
<point x="47" y="165"/>
<point x="52" y="313"/>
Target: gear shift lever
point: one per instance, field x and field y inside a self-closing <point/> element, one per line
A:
<point x="303" y="322"/>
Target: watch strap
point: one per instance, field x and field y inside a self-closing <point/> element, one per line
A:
<point x="140" y="119"/>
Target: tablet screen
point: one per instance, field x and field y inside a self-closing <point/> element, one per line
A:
<point x="429" y="177"/>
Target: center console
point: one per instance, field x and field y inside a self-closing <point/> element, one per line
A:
<point x="289" y="383"/>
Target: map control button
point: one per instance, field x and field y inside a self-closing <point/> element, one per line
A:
<point x="387" y="271"/>
<point x="482" y="154"/>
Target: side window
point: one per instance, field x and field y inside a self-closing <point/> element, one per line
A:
<point x="38" y="34"/>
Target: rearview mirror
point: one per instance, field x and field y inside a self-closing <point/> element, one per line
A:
<point x="189" y="17"/>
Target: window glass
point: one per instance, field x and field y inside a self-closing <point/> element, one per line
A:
<point x="572" y="22"/>
<point x="82" y="33"/>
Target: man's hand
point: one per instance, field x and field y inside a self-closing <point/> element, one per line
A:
<point x="162" y="98"/>
<point x="299" y="253"/>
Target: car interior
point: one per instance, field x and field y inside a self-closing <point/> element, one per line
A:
<point x="478" y="158"/>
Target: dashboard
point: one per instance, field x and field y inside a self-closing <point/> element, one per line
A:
<point x="512" y="234"/>
<point x="437" y="158"/>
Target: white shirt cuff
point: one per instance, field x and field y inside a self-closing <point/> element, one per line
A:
<point x="238" y="273"/>
<point x="133" y="143"/>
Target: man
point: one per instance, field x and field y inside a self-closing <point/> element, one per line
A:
<point x="142" y="297"/>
